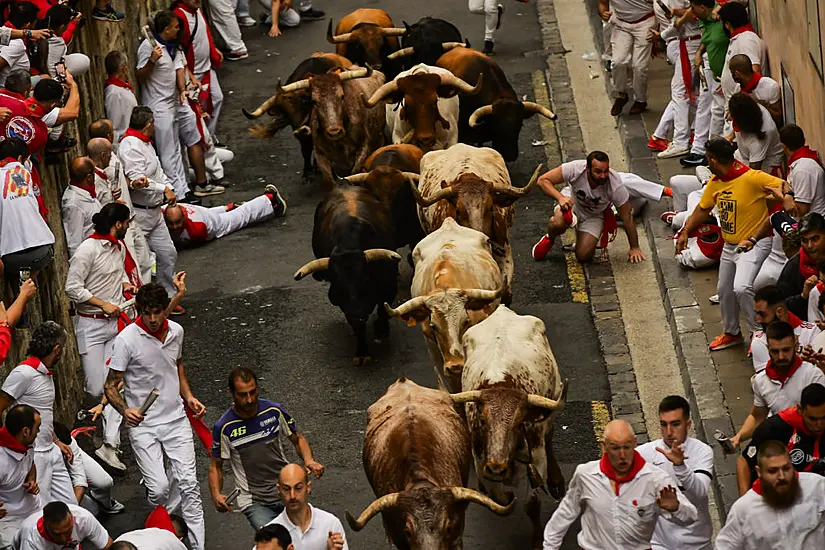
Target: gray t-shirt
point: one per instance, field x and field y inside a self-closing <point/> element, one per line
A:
<point x="807" y="180"/>
<point x="592" y="201"/>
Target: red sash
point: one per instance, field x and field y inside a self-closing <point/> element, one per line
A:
<point x="186" y="38"/>
<point x="197" y="231"/>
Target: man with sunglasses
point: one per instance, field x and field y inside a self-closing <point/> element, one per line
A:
<point x="61" y="526"/>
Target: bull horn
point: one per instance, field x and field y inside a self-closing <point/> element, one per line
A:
<point x="437" y="196"/>
<point x="376" y="506"/>
<point x="536" y="108"/>
<point x="465" y="397"/>
<point x="357" y="179"/>
<point x="521" y="191"/>
<point x="339" y="38"/>
<point x="459" y="84"/>
<point x="479" y="113"/>
<point x="542" y="402"/>
<point x="393" y="31"/>
<point x="411" y="177"/>
<point x="355" y="73"/>
<point x="382" y="92"/>
<point x="410" y="305"/>
<point x="463" y="493"/>
<point x="320" y="264"/>
<point x="295" y="86"/>
<point x="482" y="294"/>
<point x="408" y="137"/>
<point x="265" y="106"/>
<point x="303" y="130"/>
<point x="451" y="45"/>
<point x="375" y="254"/>
<point x="403" y="52"/>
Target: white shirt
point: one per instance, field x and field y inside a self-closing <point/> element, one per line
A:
<point x="689" y="29"/>
<point x="18" y="502"/>
<point x="16" y="57"/>
<point x="767" y="150"/>
<point x="86" y="528"/>
<point x="200" y="43"/>
<point x="805" y="332"/>
<point x="160" y="91"/>
<point x="152" y="539"/>
<point x="631" y="10"/>
<point x="588" y="201"/>
<point x="807" y="180"/>
<point x="140" y="160"/>
<point x="34" y="387"/>
<point x="21" y="225"/>
<point x="746" y="43"/>
<point x="693" y="479"/>
<point x="777" y="397"/>
<point x="57" y="51"/>
<point x="767" y="91"/>
<point x="316" y="535"/>
<point x="78" y="207"/>
<point x="115" y="171"/>
<point x="5" y="36"/>
<point x="149" y="363"/>
<point x="96" y="270"/>
<point x="119" y="103"/>
<point x="753" y="525"/>
<point x="610" y="522"/>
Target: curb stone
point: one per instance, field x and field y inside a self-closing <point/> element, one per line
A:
<point x="604" y="304"/>
<point x="699" y="373"/>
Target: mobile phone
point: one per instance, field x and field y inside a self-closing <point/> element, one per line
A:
<point x="665" y="9"/>
<point x="25" y="274"/>
<point x="60" y="69"/>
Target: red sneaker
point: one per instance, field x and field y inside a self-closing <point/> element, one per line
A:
<point x="725" y="341"/>
<point x="567" y="216"/>
<point x="178" y="311"/>
<point x="542" y="248"/>
<point x="667" y="217"/>
<point x="657" y="144"/>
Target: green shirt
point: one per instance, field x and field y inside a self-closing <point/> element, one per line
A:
<point x="716" y="44"/>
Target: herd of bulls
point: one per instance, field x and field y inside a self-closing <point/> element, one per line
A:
<point x="437" y="190"/>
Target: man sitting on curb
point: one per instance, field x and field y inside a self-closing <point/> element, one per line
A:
<point x="801" y="268"/>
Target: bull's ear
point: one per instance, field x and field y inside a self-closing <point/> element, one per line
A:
<point x="447" y="92"/>
<point x="444" y="184"/>
<point x="503" y="200"/>
<point x="416" y="316"/>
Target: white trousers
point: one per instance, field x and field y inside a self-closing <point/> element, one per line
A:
<point x="216" y="94"/>
<point x="631" y="51"/>
<point x="677" y="112"/>
<point x="254" y="211"/>
<point x="772" y="268"/>
<point x="139" y="249"/>
<point x="223" y="17"/>
<point x="737" y="271"/>
<point x="86" y="472"/>
<point x="172" y="128"/>
<point x="641" y="190"/>
<point x="488" y="8"/>
<point x="607" y="37"/>
<point x="157" y="237"/>
<point x="683" y="186"/>
<point x="153" y="447"/>
<point x="710" y="112"/>
<point x="95" y="343"/>
<point x="53" y="477"/>
<point x="288" y="17"/>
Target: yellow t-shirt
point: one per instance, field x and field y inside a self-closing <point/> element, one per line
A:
<point x="742" y="203"/>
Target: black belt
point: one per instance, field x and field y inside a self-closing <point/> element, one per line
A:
<point x="146" y="207"/>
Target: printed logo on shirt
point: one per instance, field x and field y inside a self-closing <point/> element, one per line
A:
<point x="590" y="202"/>
<point x="20" y="127"/>
<point x="727" y="215"/>
<point x="17" y="182"/>
<point x="797" y="456"/>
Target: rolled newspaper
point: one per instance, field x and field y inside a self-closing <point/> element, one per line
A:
<point x="127" y="304"/>
<point x="150" y="399"/>
<point x="147" y="34"/>
<point x="231" y="497"/>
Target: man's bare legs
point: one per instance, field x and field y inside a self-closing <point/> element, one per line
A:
<point x="585" y="242"/>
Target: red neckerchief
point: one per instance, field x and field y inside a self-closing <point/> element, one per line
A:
<point x="10" y="25"/>
<point x="13" y="95"/>
<point x="752" y="83"/>
<point x="41" y="528"/>
<point x="9" y="442"/>
<point x="607" y="469"/>
<point x="186" y="36"/>
<point x="35" y="363"/>
<point x="103" y="175"/>
<point x="115" y="81"/>
<point x="160" y="519"/>
<point x="86" y="187"/>
<point x="757" y="485"/>
<point x="129" y="264"/>
<point x="793" y="320"/>
<point x="736" y="170"/>
<point x="109" y="238"/>
<point x="740" y="30"/>
<point x="805" y="152"/>
<point x="131" y="132"/>
<point x="782" y="378"/>
<point x="139" y="322"/>
<point x="7" y="160"/>
<point x="807" y="266"/>
<point x="792" y="417"/>
<point x="35" y="108"/>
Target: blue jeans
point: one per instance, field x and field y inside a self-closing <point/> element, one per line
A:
<point x="259" y="514"/>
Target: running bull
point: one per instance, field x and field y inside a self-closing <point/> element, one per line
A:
<point x="426" y="40"/>
<point x="367" y="36"/>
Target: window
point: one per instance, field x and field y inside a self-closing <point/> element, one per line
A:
<point x="814" y="38"/>
<point x="788" y="108"/>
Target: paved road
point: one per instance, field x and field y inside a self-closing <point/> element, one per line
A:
<point x="245" y="309"/>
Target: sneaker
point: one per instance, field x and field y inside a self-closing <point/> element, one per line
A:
<point x="694" y="159"/>
<point x="207" y="190"/>
<point x="488" y="47"/>
<point x="246" y="21"/>
<point x="542" y="248"/>
<point x="714" y="299"/>
<point x="190" y="198"/>
<point x="107" y="14"/>
<point x="500" y="10"/>
<point x="312" y="14"/>
<point x="674" y="151"/>
<point x="657" y="144"/>
<point x="221" y="183"/>
<point x="725" y="341"/>
<point x="178" y="311"/>
<point x="638" y="108"/>
<point x="278" y="202"/>
<point x="115" y="507"/>
<point x="608" y="66"/>
<point x="618" y="105"/>
<point x="236" y="56"/>
<point x="667" y="217"/>
<point x="704" y="174"/>
<point x="108" y="455"/>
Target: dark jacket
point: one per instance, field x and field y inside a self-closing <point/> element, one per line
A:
<point x="790" y="284"/>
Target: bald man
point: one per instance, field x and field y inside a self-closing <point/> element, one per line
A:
<point x="79" y="203"/>
<point x="763" y="89"/>
<point x="619" y="498"/>
<point x="310" y="528"/>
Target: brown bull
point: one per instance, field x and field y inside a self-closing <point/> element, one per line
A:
<point x="367" y="36"/>
<point x="417" y="458"/>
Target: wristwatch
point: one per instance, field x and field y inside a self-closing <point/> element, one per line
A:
<point x="28" y="33"/>
<point x="753" y="240"/>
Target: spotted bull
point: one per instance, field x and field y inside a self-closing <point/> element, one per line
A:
<point x="511" y="387"/>
<point x="472" y="185"/>
<point x="457" y="283"/>
<point x="367" y="36"/>
<point x="417" y="459"/>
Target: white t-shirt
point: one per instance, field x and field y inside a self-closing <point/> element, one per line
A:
<point x="316" y="535"/>
<point x="119" y="102"/>
<point x="777" y="397"/>
<point x="149" y="363"/>
<point x="78" y="207"/>
<point x="807" y="179"/>
<point x="139" y="159"/>
<point x="18" y="502"/>
<point x="767" y="150"/>
<point x="152" y="539"/>
<point x="767" y="91"/>
<point x="746" y="43"/>
<point x="96" y="270"/>
<point x="589" y="201"/>
<point x="805" y="332"/>
<point x="115" y="171"/>
<point x="631" y="10"/>
<point x="160" y="91"/>
<point x="200" y="43"/>
<point x="21" y="225"/>
<point x="16" y="58"/>
<point x="86" y="528"/>
<point x="34" y="387"/>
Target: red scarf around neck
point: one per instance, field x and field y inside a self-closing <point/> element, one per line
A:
<point x="607" y="469"/>
<point x="131" y="132"/>
<point x="129" y="264"/>
<point x="139" y="322"/>
<point x="807" y="265"/>
<point x="41" y="529"/>
<point x="757" y="485"/>
<point x="740" y="30"/>
<point x="752" y="83"/>
<point x="103" y="175"/>
<point x="86" y="187"/>
<point x="115" y="81"/>
<point x="794" y="420"/>
<point x="34" y="363"/>
<point x="736" y="170"/>
<point x="780" y="377"/>
<point x="9" y="442"/>
<point x="805" y="152"/>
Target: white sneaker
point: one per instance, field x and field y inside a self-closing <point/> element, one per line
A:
<point x="674" y="150"/>
<point x="115" y="507"/>
<point x="714" y="299"/>
<point x="108" y="454"/>
<point x="704" y="174"/>
<point x="246" y="21"/>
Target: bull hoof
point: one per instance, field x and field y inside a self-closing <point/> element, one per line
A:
<point x="557" y="491"/>
<point x="360" y="361"/>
